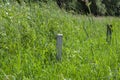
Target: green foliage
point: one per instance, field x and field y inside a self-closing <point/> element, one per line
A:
<point x="96" y="7"/>
<point x="28" y="44"/>
<point x="113" y="7"/>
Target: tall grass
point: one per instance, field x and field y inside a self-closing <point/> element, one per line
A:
<point x="28" y="44"/>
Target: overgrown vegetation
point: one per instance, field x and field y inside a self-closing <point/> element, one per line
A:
<point x="96" y="7"/>
<point x="28" y="44"/>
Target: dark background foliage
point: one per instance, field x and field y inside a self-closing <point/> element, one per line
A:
<point x="95" y="7"/>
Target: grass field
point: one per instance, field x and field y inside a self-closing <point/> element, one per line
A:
<point x="28" y="44"/>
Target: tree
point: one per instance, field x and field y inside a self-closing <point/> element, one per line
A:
<point x="113" y="7"/>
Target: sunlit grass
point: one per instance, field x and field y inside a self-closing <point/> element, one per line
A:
<point x="28" y="44"/>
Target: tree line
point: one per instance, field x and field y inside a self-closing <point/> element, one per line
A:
<point x="95" y="7"/>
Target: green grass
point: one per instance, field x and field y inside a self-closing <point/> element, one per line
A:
<point x="28" y="44"/>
